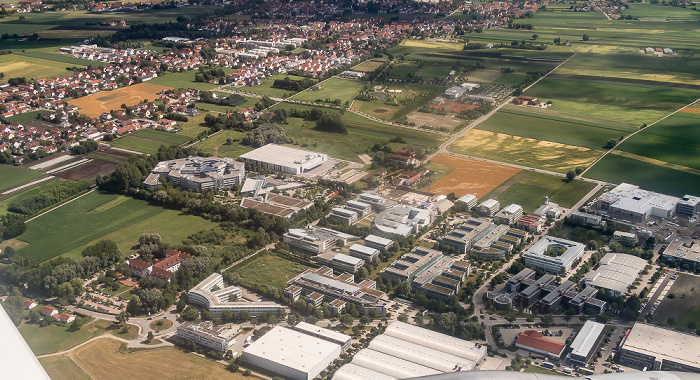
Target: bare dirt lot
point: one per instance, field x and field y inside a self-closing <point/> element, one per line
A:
<point x="433" y="120"/>
<point x="88" y="171"/>
<point x="94" y="105"/>
<point x="470" y="176"/>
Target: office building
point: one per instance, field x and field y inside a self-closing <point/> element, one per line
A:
<point x="534" y="341"/>
<point x="284" y="159"/>
<point x="555" y="296"/>
<point x="509" y="214"/>
<point x="363" y="252"/>
<point x="625" y="238"/>
<point x="345" y="263"/>
<point x="343" y="215"/>
<point x="481" y="237"/>
<point x="377" y="202"/>
<point x="467" y="200"/>
<point x="585" y="218"/>
<point x="629" y="202"/>
<point x="325" y="334"/>
<point x="532" y="293"/>
<point x="688" y="206"/>
<point x="659" y="349"/>
<point x="378" y="242"/>
<point x="403" y="220"/>
<point x="616" y="272"/>
<point x="362" y="209"/>
<point x="291" y="354"/>
<point x="488" y="208"/>
<point x="514" y="283"/>
<point x="538" y="256"/>
<point x="584" y="345"/>
<point x="585" y="299"/>
<point x="225" y="298"/>
<point x="206" y="334"/>
<point x="531" y="223"/>
<point x="313" y="241"/>
<point x="548" y="209"/>
<point x="682" y="253"/>
<point x="198" y="173"/>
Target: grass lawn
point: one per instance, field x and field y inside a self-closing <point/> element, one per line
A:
<point x="528" y="189"/>
<point x="536" y="369"/>
<point x="334" y="88"/>
<point x="11" y="176"/>
<point x="182" y="80"/>
<point x="192" y="127"/>
<point x="684" y="307"/>
<point x="137" y="144"/>
<point x="69" y="227"/>
<point x="548" y="125"/>
<point x="24" y="117"/>
<point x="171" y="225"/>
<point x="509" y="79"/>
<point x="63" y="368"/>
<point x="14" y="65"/>
<point x="55" y="338"/>
<point x="616" y="169"/>
<point x="216" y="144"/>
<point x="265" y="88"/>
<point x="165" y="137"/>
<point x="675" y="139"/>
<point x="268" y="269"/>
<point x="481" y="75"/>
<point x="430" y="72"/>
<point x="106" y="359"/>
<point x="524" y="151"/>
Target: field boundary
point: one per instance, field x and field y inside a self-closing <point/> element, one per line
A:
<point x="59" y="205"/>
<point x="656" y="162"/>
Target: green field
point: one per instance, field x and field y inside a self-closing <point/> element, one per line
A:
<point x="182" y="80"/>
<point x="15" y="65"/>
<point x="268" y="269"/>
<point x="548" y="125"/>
<point x="216" y="144"/>
<point x="64" y="58"/>
<point x="266" y="89"/>
<point x="24" y="193"/>
<point x="165" y="137"/>
<point x="658" y="11"/>
<point x="684" y="307"/>
<point x="375" y="108"/>
<point x="69" y="227"/>
<point x="56" y="338"/>
<point x="509" y="79"/>
<point x="192" y="127"/>
<point x="362" y="135"/>
<point x="675" y="139"/>
<point x="528" y="189"/>
<point x="334" y="88"/>
<point x="172" y="226"/>
<point x="11" y="176"/>
<point x="24" y="117"/>
<point x="616" y="169"/>
<point x="638" y="99"/>
<point x="138" y="144"/>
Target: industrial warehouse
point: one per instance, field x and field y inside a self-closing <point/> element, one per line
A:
<point x="406" y="351"/>
<point x="284" y="159"/>
<point x="655" y="348"/>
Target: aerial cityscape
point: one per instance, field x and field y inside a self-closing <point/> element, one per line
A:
<point x="349" y="190"/>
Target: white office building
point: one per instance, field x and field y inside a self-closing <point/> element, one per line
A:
<point x="629" y="202"/>
<point x="206" y="334"/>
<point x="225" y="298"/>
<point x="536" y="257"/>
<point x="284" y="159"/>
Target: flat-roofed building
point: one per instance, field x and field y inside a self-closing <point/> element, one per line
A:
<point x="343" y="215"/>
<point x="363" y="252"/>
<point x="378" y="242"/>
<point x="514" y="283"/>
<point x="660" y="349"/>
<point x="688" y="206"/>
<point x="548" y="209"/>
<point x="468" y="200"/>
<point x="325" y="334"/>
<point x="509" y="214"/>
<point x="554" y="298"/>
<point x="342" y="262"/>
<point x="313" y="241"/>
<point x="682" y="253"/>
<point x="419" y="354"/>
<point x="378" y="203"/>
<point x="616" y="272"/>
<point x="535" y="256"/>
<point x="218" y="301"/>
<point x="198" y="173"/>
<point x="403" y="220"/>
<point x="532" y="293"/>
<point x="534" y="341"/>
<point x="625" y="238"/>
<point x="586" y="218"/>
<point x="362" y="209"/>
<point x="206" y="334"/>
<point x="531" y="223"/>
<point x="291" y="354"/>
<point x="488" y="207"/>
<point x="586" y="341"/>
<point x="284" y="159"/>
<point x="586" y="299"/>
<point x="629" y="202"/>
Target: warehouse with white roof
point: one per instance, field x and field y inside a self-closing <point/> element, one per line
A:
<point x="586" y="341"/>
<point x="617" y="271"/>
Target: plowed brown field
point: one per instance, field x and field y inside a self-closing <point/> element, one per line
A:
<point x="470" y="176"/>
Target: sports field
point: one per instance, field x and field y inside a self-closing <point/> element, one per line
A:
<point x="675" y="139"/>
<point x="523" y="151"/>
<point x="469" y="176"/>
<point x="684" y="307"/>
<point x="545" y="124"/>
<point x="81" y="222"/>
<point x="94" y="105"/>
<point x="11" y="176"/>
<point x="615" y="168"/>
<point x="375" y="108"/>
<point x="528" y="189"/>
<point x="15" y="65"/>
<point x="334" y="88"/>
<point x="268" y="269"/>
<point x="105" y="359"/>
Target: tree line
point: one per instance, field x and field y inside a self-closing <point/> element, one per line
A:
<point x="49" y="197"/>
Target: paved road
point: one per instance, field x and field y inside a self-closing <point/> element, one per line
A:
<point x="653" y="297"/>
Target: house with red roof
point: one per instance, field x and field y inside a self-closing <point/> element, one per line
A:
<point x="535" y="341"/>
<point x="162" y="270"/>
<point x="48" y="311"/>
<point x="65" y="318"/>
<point x="29" y="304"/>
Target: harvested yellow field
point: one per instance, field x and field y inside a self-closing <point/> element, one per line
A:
<point x="370" y="65"/>
<point x="524" y="151"/>
<point x="105" y="359"/>
<point x="94" y="105"/>
<point x="672" y="78"/>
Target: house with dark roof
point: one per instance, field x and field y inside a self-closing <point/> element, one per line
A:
<point x="534" y="341"/>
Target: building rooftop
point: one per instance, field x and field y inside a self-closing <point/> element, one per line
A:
<point x="281" y="155"/>
<point x="329" y="335"/>
<point x="348" y="259"/>
<point x="291" y="348"/>
<point x="587" y="338"/>
<point x="664" y="344"/>
<point x="616" y="272"/>
<point x="534" y="339"/>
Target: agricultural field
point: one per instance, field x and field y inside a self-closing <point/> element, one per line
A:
<point x="369" y="65"/>
<point x="192" y="127"/>
<point x="634" y="99"/>
<point x="81" y="221"/>
<point x="172" y="225"/>
<point x="435" y="120"/>
<point x="11" y="176"/>
<point x="162" y="136"/>
<point x="509" y="79"/>
<point x="182" y="80"/>
<point x="481" y="76"/>
<point x="250" y="102"/>
<point x="658" y="11"/>
<point x="94" y="105"/>
<point x="63" y="368"/>
<point x="334" y="88"/>
<point x="107" y="358"/>
<point x="675" y="140"/>
<point x="615" y="168"/>
<point x="466" y="176"/>
<point x="524" y="151"/>
<point x="54" y="55"/>
<point x="528" y="189"/>
<point x="684" y="308"/>
<point x="137" y="144"/>
<point x="15" y="65"/>
<point x="268" y="269"/>
<point x="56" y="338"/>
<point x="27" y="192"/>
<point x="550" y="125"/>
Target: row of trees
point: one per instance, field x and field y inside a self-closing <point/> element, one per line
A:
<point x="233" y="100"/>
<point x="49" y="197"/>
<point x="293" y="85"/>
